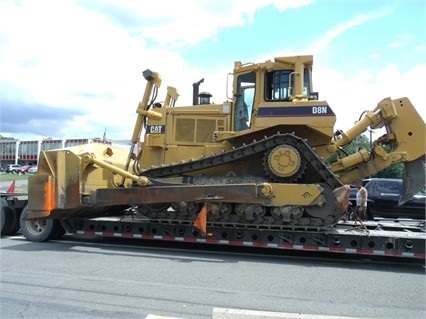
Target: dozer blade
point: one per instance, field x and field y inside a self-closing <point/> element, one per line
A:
<point x="413" y="179"/>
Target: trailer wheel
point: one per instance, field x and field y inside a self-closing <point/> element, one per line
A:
<point x="3" y="214"/>
<point x="36" y="229"/>
<point x="9" y="220"/>
<point x="2" y="217"/>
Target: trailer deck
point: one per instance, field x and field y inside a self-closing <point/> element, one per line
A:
<point x="404" y="239"/>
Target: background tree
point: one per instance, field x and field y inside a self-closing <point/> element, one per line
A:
<point x="6" y="138"/>
<point x="362" y="141"/>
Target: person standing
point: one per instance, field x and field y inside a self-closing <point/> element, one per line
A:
<point x="361" y="201"/>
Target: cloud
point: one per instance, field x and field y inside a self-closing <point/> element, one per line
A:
<point x="401" y="41"/>
<point x="166" y="24"/>
<point x="421" y="48"/>
<point x="37" y="119"/>
<point x="350" y="95"/>
<point x="323" y="43"/>
<point x="88" y="56"/>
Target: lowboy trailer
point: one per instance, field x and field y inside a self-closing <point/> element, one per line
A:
<point x="404" y="239"/>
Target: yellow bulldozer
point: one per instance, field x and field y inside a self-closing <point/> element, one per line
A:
<point x="258" y="159"/>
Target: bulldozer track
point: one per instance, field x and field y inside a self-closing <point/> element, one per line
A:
<point x="318" y="173"/>
<point x="245" y="151"/>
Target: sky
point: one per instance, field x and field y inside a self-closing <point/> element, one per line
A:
<point x="73" y="68"/>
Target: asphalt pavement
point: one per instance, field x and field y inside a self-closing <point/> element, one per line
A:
<point x="94" y="278"/>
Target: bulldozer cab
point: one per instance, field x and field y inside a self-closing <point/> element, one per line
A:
<point x="278" y="96"/>
<point x="258" y="87"/>
<point x="272" y="85"/>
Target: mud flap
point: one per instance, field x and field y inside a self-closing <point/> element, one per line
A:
<point x="413" y="179"/>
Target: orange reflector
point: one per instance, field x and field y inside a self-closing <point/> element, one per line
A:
<point x="201" y="221"/>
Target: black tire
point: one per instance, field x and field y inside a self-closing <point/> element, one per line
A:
<point x="58" y="231"/>
<point x="36" y="229"/>
<point x="15" y="225"/>
<point x="9" y="220"/>
<point x="2" y="217"/>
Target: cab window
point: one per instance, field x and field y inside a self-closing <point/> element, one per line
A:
<point x="244" y="99"/>
<point x="279" y="85"/>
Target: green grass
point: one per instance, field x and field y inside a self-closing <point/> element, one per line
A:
<point x="6" y="177"/>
